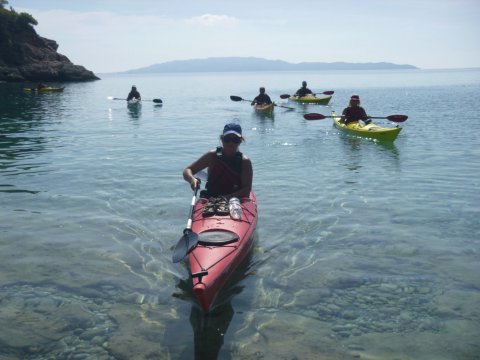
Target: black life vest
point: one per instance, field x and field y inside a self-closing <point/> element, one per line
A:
<point x="225" y="175"/>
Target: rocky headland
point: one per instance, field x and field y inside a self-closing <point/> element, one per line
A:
<point x="26" y="56"/>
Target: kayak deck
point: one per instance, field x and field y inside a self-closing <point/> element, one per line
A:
<point x="223" y="244"/>
<point x="371" y="130"/>
<point x="134" y="102"/>
<point x="264" y="108"/>
<point x="311" y="99"/>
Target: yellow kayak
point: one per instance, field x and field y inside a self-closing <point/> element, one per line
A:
<point x="311" y="99"/>
<point x="369" y="130"/>
<point x="45" y="89"/>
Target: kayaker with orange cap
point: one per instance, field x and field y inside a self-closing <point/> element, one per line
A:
<point x="354" y="112"/>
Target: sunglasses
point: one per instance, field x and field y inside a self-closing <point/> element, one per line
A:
<point x="232" y="139"/>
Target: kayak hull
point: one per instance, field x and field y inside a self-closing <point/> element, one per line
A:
<point x="264" y="108"/>
<point x="371" y="130"/>
<point x="44" y="90"/>
<point x="311" y="100"/>
<point x="212" y="264"/>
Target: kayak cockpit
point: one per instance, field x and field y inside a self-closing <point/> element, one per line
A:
<point x="217" y="237"/>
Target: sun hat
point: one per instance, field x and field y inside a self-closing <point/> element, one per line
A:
<point x="232" y="128"/>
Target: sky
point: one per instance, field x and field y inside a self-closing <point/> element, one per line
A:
<point x="119" y="35"/>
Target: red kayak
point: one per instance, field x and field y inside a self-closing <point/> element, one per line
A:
<point x="223" y="243"/>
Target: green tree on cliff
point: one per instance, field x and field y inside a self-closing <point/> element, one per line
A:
<point x="14" y="28"/>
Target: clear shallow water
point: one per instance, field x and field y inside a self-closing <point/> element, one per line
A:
<point x="363" y="248"/>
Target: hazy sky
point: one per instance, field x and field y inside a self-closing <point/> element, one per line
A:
<point x="117" y="35"/>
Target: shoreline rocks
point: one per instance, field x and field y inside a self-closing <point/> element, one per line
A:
<point x="38" y="60"/>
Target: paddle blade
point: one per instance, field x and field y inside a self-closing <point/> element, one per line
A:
<point x="158" y="101"/>
<point x="314" y="116"/>
<point x="284" y="96"/>
<point x="188" y="241"/>
<point x="397" y="118"/>
<point x="329" y="92"/>
<point x="235" y="98"/>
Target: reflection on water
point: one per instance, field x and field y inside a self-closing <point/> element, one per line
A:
<point x="210" y="329"/>
<point x="134" y="111"/>
<point x="353" y="151"/>
<point x="23" y="119"/>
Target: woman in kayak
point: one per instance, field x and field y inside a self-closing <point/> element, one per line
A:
<point x="354" y="112"/>
<point x="262" y="98"/>
<point x="133" y="94"/>
<point x="303" y="91"/>
<point x="230" y="172"/>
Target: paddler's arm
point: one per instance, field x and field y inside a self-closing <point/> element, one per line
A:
<point x="365" y="117"/>
<point x="200" y="164"/>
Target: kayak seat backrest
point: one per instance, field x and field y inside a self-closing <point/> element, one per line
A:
<point x="217" y="237"/>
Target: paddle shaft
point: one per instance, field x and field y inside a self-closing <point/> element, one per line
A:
<point x="192" y="206"/>
<point x="238" y="98"/>
<point x="154" y="100"/>
<point x="329" y="92"/>
<point x="393" y="118"/>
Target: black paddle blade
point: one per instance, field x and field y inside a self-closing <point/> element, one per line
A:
<point x="235" y="98"/>
<point x="329" y="92"/>
<point x="158" y="101"/>
<point x="188" y="241"/>
<point x="397" y="118"/>
<point x="284" y="96"/>
<point x="314" y="116"/>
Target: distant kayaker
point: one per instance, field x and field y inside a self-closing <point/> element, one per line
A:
<point x="41" y="86"/>
<point x="262" y="98"/>
<point x="354" y="112"/>
<point x="133" y="94"/>
<point x="230" y="172"/>
<point x="303" y="91"/>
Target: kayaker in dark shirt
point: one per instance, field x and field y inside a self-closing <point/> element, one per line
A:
<point x="303" y="91"/>
<point x="133" y="94"/>
<point x="354" y="112"/>
<point x="230" y="172"/>
<point x="41" y="86"/>
<point x="262" y="98"/>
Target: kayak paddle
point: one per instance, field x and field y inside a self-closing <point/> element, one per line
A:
<point x="329" y="92"/>
<point x="158" y="101"/>
<point x="189" y="239"/>
<point x="393" y="118"/>
<point x="238" y="98"/>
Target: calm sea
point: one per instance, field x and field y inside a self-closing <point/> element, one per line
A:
<point x="363" y="249"/>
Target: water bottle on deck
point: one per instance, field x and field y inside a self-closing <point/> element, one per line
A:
<point x="235" y="208"/>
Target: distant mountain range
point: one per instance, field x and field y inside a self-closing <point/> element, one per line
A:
<point x="238" y="64"/>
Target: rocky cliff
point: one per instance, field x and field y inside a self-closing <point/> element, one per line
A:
<point x="26" y="56"/>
